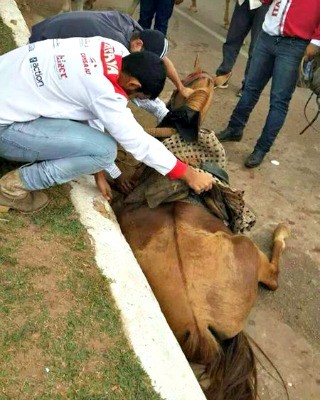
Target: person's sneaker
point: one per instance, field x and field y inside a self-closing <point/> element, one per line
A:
<point x="255" y="158"/>
<point x="222" y="81"/>
<point x="230" y="135"/>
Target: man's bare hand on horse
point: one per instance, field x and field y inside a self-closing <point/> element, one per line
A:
<point x="199" y="181"/>
<point x="124" y="185"/>
<point x="186" y="92"/>
<point x="103" y="185"/>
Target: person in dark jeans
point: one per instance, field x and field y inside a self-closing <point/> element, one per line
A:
<point x="159" y="10"/>
<point x="290" y="31"/>
<point x="247" y="15"/>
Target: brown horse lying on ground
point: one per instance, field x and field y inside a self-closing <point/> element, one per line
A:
<point x="205" y="280"/>
<point x="204" y="276"/>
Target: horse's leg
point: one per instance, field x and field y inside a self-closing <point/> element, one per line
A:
<point x="76" y="5"/>
<point x="269" y="270"/>
<point x="193" y="6"/>
<point x="226" y="14"/>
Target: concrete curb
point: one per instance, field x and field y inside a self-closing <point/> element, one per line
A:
<point x="144" y="323"/>
<point x="149" y="333"/>
<point x="12" y="17"/>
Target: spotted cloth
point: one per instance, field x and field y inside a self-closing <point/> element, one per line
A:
<point x="223" y="201"/>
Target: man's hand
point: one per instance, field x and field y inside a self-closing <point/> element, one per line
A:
<point x="125" y="185"/>
<point x="199" y="181"/>
<point x="103" y="185"/>
<point x="311" y="51"/>
<point x="186" y="92"/>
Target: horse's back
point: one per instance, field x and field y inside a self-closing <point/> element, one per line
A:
<point x="202" y="275"/>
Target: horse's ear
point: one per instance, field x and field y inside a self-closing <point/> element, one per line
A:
<point x="197" y="68"/>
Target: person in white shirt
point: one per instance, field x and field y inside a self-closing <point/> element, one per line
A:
<point x="117" y="26"/>
<point x="49" y="89"/>
<point x="248" y="15"/>
<point x="290" y="34"/>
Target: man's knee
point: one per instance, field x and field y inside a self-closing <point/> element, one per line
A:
<point x="107" y="154"/>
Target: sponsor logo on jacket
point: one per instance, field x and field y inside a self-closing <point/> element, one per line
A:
<point x="111" y="64"/>
<point x="85" y="63"/>
<point x="56" y="42"/>
<point x="36" y="71"/>
<point x="276" y="8"/>
<point x="84" y="42"/>
<point x="93" y="62"/>
<point x="109" y="59"/>
<point x="60" y="66"/>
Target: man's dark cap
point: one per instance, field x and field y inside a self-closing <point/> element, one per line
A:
<point x="149" y="69"/>
<point x="154" y="41"/>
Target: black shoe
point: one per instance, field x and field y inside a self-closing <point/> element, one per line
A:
<point x="255" y="158"/>
<point x="230" y="135"/>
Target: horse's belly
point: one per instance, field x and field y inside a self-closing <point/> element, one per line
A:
<point x="198" y="276"/>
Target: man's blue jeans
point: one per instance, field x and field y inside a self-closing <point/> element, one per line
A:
<point x="56" y="150"/>
<point x="160" y="9"/>
<point x="242" y="22"/>
<point x="277" y="57"/>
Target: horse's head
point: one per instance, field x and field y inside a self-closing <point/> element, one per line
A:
<point x="187" y="114"/>
<point x="200" y="100"/>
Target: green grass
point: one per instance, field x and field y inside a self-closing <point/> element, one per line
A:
<point x="6" y="38"/>
<point x="61" y="335"/>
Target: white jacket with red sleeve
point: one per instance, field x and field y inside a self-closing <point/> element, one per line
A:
<point x="77" y="79"/>
<point x="293" y="18"/>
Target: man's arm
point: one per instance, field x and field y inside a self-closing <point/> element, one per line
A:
<point x="174" y="77"/>
<point x="121" y="124"/>
<point x="155" y="107"/>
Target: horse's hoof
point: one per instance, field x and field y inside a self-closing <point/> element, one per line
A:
<point x="281" y="232"/>
<point x="193" y="9"/>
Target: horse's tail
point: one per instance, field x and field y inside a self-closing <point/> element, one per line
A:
<point x="230" y="372"/>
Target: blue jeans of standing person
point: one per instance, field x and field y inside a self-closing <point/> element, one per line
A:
<point x="56" y="150"/>
<point x="161" y="10"/>
<point x="277" y="57"/>
<point x="243" y="20"/>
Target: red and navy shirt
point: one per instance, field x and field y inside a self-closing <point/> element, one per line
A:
<point x="293" y="18"/>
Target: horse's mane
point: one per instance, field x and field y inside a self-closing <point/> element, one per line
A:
<point x="230" y="371"/>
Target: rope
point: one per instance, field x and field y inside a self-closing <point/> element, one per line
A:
<point x="315" y="117"/>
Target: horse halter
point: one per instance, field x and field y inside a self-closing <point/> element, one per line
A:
<point x="187" y="115"/>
